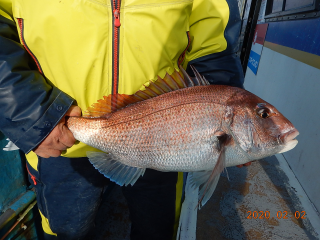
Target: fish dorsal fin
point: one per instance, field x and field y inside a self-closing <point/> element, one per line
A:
<point x="109" y="104"/>
<point x="175" y="81"/>
<point x="201" y="81"/>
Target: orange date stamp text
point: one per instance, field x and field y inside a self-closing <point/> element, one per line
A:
<point x="279" y="215"/>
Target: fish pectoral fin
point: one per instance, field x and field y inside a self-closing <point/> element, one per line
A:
<point x="207" y="184"/>
<point x="208" y="180"/>
<point x="206" y="191"/>
<point x="107" y="164"/>
<point x="223" y="140"/>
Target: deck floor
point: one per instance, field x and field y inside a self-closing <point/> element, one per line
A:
<point x="259" y="189"/>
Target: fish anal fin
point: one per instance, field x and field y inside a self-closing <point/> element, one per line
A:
<point x="116" y="171"/>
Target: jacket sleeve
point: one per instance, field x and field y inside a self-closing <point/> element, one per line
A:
<point x="214" y="32"/>
<point x="30" y="106"/>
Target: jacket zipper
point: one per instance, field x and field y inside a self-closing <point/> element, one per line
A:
<point x="21" y="28"/>
<point x="116" y="32"/>
<point x="33" y="178"/>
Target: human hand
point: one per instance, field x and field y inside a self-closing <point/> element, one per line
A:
<point x="60" y="138"/>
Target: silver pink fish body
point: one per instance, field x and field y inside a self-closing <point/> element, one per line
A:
<point x="187" y="129"/>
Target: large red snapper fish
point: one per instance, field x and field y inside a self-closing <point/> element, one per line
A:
<point x="181" y="124"/>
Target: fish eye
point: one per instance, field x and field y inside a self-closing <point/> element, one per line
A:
<point x="263" y="112"/>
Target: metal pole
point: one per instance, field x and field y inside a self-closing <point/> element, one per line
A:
<point x="20" y="218"/>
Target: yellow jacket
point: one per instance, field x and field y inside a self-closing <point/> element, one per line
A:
<point x="73" y="44"/>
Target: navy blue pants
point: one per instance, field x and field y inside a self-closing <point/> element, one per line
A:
<point x="69" y="192"/>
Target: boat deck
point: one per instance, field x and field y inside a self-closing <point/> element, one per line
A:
<point x="257" y="202"/>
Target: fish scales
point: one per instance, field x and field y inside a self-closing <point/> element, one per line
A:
<point x="176" y="131"/>
<point x="197" y="129"/>
<point x="205" y="94"/>
<point x="171" y="133"/>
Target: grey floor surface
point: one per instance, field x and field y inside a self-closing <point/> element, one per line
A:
<point x="255" y="203"/>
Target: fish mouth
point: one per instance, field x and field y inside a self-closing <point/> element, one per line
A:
<point x="289" y="136"/>
<point x="288" y="140"/>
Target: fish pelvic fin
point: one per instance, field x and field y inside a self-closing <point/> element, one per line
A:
<point x="116" y="171"/>
<point x="113" y="102"/>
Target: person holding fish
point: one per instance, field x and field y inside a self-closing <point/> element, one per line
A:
<point x="57" y="58"/>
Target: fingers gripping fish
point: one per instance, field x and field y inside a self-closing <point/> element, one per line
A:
<point x="181" y="124"/>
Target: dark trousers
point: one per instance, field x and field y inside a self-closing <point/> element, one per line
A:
<point x="69" y="192"/>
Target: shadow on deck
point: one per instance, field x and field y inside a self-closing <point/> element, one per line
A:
<point x="256" y="203"/>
